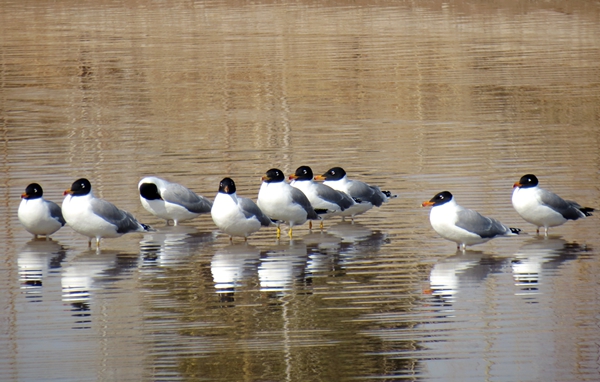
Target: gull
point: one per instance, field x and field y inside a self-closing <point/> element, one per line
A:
<point x="324" y="199"/>
<point x="543" y="208"/>
<point x="461" y="225"/>
<point x="364" y="195"/>
<point x="234" y="215"/>
<point x="282" y="202"/>
<point x="94" y="217"/>
<point x="38" y="215"/>
<point x="171" y="201"/>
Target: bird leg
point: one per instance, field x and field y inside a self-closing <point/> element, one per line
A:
<point x="290" y="233"/>
<point x="310" y="224"/>
<point x="278" y="232"/>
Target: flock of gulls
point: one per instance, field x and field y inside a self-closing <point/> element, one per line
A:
<point x="304" y="198"/>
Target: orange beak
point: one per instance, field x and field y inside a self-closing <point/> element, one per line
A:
<point x="428" y="203"/>
<point x="292" y="177"/>
<point x="24" y="195"/>
<point x="264" y="178"/>
<point x="517" y="185"/>
<point x="319" y="177"/>
<point x="68" y="192"/>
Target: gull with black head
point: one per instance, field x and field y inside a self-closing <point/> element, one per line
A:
<point x="235" y="215"/>
<point x="282" y="202"/>
<point x="94" y="217"/>
<point x="326" y="201"/>
<point x="461" y="225"/>
<point x="364" y="195"/>
<point x="38" y="215"/>
<point x="544" y="208"/>
<point x="171" y="201"/>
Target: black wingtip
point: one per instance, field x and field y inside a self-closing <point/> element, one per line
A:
<point x="587" y="211"/>
<point x="516" y="231"/>
<point x="147" y="228"/>
<point x="321" y="211"/>
<point x="389" y="194"/>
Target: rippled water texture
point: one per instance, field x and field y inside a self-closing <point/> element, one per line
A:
<point x="416" y="97"/>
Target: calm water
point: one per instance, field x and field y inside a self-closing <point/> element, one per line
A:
<point x="460" y="96"/>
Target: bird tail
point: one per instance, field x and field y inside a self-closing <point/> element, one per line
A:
<point x="389" y="194"/>
<point x="587" y="211"/>
<point x="514" y="231"/>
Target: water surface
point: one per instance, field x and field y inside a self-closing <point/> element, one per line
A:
<point x="417" y="99"/>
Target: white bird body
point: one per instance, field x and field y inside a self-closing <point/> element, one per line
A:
<point x="443" y="219"/>
<point x="346" y="185"/>
<point x="276" y="201"/>
<point x="282" y="202"/>
<point x="77" y="211"/>
<point x="36" y="216"/>
<point x="528" y="204"/>
<point x="235" y="215"/>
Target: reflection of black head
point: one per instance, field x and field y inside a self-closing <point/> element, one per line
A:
<point x="149" y="191"/>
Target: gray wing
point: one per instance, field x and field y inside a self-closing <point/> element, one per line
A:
<point x="334" y="196"/>
<point x="567" y="208"/>
<point x="366" y="193"/>
<point x="56" y="212"/>
<point x="123" y="220"/>
<point x="299" y="198"/>
<point x="178" y="194"/>
<point x="476" y="223"/>
<point x="250" y="209"/>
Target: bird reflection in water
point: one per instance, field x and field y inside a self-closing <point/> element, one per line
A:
<point x="172" y="244"/>
<point x="459" y="272"/>
<point x="535" y="257"/>
<point x="89" y="272"/>
<point x="282" y="266"/>
<point x="37" y="260"/>
<point x="232" y="267"/>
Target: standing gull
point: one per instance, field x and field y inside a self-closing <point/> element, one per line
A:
<point x="171" y="201"/>
<point x="366" y="196"/>
<point x="324" y="199"/>
<point x="234" y="215"/>
<point x="461" y="225"/>
<point x="38" y="215"/>
<point x="543" y="208"/>
<point x="282" y="202"/>
<point x="94" y="217"/>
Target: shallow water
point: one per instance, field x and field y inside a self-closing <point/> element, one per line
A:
<point x="417" y="99"/>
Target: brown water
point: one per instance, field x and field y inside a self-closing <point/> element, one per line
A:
<point x="417" y="98"/>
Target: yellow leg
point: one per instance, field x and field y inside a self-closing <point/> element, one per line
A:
<point x="290" y="233"/>
<point x="278" y="232"/>
<point x="321" y="225"/>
